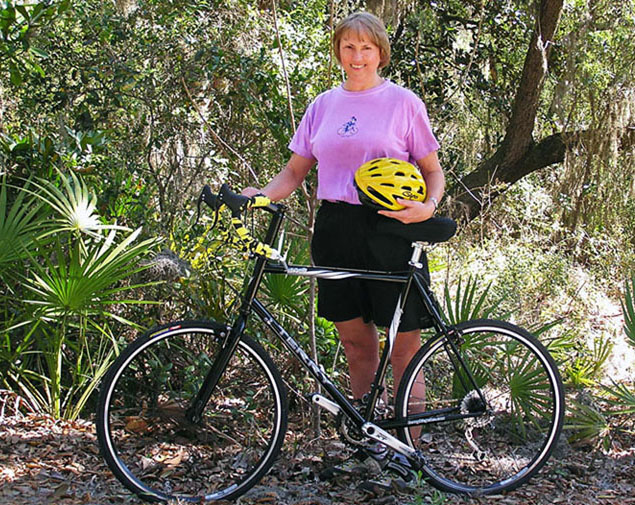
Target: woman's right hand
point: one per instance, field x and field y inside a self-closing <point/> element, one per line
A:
<point x="251" y="191"/>
<point x="288" y="180"/>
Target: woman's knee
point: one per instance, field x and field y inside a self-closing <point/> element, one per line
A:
<point x="356" y="335"/>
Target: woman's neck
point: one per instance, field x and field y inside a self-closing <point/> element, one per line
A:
<point x="353" y="85"/>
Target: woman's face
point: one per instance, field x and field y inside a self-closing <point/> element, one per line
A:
<point x="359" y="57"/>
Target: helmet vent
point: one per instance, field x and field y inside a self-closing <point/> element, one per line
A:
<point x="382" y="181"/>
<point x="379" y="196"/>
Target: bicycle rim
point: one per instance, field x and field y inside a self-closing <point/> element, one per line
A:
<point x="500" y="445"/>
<point x="159" y="454"/>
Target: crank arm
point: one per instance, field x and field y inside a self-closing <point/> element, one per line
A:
<point x="325" y="403"/>
<point x="373" y="431"/>
<point x="376" y="433"/>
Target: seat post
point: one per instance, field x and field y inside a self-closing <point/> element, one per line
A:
<point x="417" y="251"/>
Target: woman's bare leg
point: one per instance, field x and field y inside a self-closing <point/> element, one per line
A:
<point x="406" y="346"/>
<point x="361" y="346"/>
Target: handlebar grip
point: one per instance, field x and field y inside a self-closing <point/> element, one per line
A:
<point x="260" y="202"/>
<point x="236" y="203"/>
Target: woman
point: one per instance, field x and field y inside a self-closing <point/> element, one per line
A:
<point x="366" y="117"/>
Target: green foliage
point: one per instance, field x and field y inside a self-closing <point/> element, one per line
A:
<point x="596" y="59"/>
<point x="589" y="425"/>
<point x="467" y="303"/>
<point x="20" y="221"/>
<point x="628" y="309"/>
<point x="72" y="270"/>
<point x="78" y="276"/>
<point x="287" y="292"/>
<point x="622" y="397"/>
<point x="592" y="423"/>
<point x="18" y="22"/>
<point x="583" y="367"/>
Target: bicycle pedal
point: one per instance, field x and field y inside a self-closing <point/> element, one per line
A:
<point x="347" y="467"/>
<point x="404" y="472"/>
<point x="374" y="486"/>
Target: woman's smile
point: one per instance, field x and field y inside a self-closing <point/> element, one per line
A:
<point x="360" y="58"/>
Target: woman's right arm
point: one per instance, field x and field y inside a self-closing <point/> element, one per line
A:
<point x="287" y="181"/>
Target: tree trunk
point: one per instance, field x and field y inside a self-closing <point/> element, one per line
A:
<point x="518" y="154"/>
<point x="384" y="9"/>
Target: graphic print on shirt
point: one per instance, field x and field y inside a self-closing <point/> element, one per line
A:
<point x="349" y="128"/>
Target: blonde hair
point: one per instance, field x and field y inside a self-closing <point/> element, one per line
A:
<point x="369" y="25"/>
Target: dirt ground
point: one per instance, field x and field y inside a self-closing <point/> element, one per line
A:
<point x="44" y="461"/>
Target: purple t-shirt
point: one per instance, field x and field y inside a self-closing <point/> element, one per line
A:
<point x="343" y="129"/>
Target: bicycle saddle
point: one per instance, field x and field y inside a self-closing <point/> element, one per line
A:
<point x="434" y="230"/>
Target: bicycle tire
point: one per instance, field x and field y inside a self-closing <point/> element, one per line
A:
<point x="160" y="455"/>
<point x="508" y="444"/>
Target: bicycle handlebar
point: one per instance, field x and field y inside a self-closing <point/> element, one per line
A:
<point x="237" y="204"/>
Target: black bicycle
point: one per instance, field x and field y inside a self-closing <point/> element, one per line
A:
<point x="197" y="410"/>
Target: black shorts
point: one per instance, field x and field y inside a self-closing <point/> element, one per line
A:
<point x="347" y="236"/>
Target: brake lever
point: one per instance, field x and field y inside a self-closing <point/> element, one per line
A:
<point x="211" y="200"/>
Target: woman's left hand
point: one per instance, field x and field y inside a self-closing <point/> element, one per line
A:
<point x="414" y="212"/>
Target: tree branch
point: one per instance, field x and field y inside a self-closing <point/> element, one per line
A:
<point x="518" y="151"/>
<point x="478" y="189"/>
<point x="518" y="137"/>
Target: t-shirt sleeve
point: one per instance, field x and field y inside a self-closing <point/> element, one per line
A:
<point x="301" y="141"/>
<point x="420" y="140"/>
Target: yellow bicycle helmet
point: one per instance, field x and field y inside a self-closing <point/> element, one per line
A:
<point x="380" y="181"/>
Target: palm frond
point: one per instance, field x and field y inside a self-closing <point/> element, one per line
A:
<point x="468" y="303"/>
<point x="589" y="425"/>
<point x="20" y="221"/>
<point x="75" y="206"/>
<point x="86" y="276"/>
<point x="623" y="397"/>
<point x="628" y="308"/>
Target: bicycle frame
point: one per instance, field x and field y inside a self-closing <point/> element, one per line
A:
<point x="363" y="421"/>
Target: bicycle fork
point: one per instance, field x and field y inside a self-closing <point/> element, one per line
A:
<point x="194" y="413"/>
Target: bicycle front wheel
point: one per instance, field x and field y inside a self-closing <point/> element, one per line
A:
<point x="491" y="438"/>
<point x="146" y="436"/>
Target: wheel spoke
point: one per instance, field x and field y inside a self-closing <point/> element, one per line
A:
<point x="150" y="444"/>
<point x="501" y="448"/>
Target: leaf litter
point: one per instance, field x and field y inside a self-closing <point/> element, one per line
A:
<point x="48" y="461"/>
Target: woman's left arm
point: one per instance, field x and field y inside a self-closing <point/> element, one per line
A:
<point x="416" y="212"/>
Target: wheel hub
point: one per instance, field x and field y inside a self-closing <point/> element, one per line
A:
<point x="473" y="404"/>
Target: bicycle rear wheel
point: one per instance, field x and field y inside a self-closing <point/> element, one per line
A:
<point x="148" y="442"/>
<point x="471" y="447"/>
